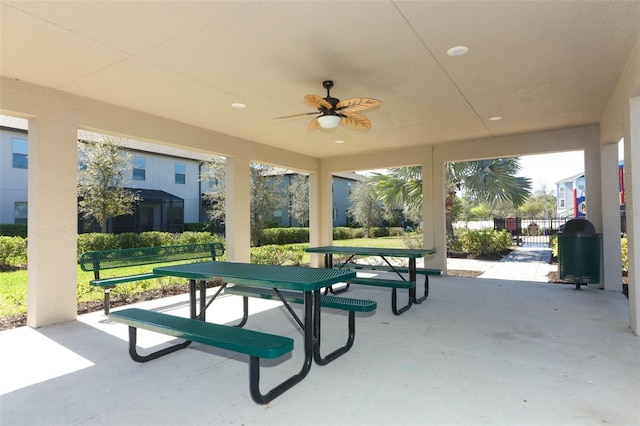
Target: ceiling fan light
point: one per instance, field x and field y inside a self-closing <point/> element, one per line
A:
<point x="329" y="121"/>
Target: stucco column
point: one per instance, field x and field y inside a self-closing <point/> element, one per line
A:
<point x="593" y="187"/>
<point x="433" y="212"/>
<point x="611" y="261"/>
<point x="632" y="196"/>
<point x="432" y="216"/>
<point x="238" y="209"/>
<point x="320" y="213"/>
<point x="53" y="221"/>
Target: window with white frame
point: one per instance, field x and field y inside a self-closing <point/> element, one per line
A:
<point x="139" y="168"/>
<point x="180" y="173"/>
<point x="20" y="212"/>
<point x="20" y="151"/>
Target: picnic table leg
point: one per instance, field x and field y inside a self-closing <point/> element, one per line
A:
<point x="192" y="299"/>
<point x="394" y="291"/>
<point x="328" y="263"/>
<point x="413" y="277"/>
<point x="319" y="359"/>
<point x="254" y="362"/>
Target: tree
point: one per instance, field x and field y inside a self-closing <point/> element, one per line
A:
<point x="213" y="179"/>
<point x="540" y="204"/>
<point x="488" y="181"/>
<point x="365" y="209"/>
<point x="104" y="168"/>
<point x="400" y="189"/>
<point x="299" y="198"/>
<point x="266" y="194"/>
<point x="266" y="197"/>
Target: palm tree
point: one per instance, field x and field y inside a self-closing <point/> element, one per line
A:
<point x="487" y="181"/>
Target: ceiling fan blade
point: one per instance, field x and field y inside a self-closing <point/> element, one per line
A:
<point x="355" y="120"/>
<point x="357" y="104"/>
<point x="317" y="102"/>
<point x="296" y="115"/>
<point x="313" y="124"/>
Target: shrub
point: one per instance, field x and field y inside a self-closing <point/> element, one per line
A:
<point x="194" y="238"/>
<point x="285" y="236"/>
<point x="625" y="256"/>
<point x="96" y="241"/>
<point x="342" y="233"/>
<point x="13" y="253"/>
<point x="380" y="232"/>
<point x="487" y="242"/>
<point x="276" y="255"/>
<point x="13" y="230"/>
<point x="454" y="242"/>
<point x="128" y="240"/>
<point x="156" y="238"/>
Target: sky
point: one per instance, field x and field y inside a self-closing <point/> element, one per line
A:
<point x="547" y="169"/>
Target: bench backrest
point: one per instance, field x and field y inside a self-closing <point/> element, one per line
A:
<point x="111" y="259"/>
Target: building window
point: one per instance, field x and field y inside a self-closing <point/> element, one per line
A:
<point x="139" y="168"/>
<point x="20" y="212"/>
<point x="335" y="214"/>
<point x="20" y="148"/>
<point x="562" y="204"/>
<point x="180" y="172"/>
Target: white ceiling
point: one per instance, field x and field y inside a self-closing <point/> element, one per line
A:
<point x="540" y="65"/>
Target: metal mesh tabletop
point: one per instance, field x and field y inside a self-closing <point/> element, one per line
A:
<point x="285" y="277"/>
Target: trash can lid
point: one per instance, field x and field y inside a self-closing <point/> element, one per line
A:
<point x="578" y="228"/>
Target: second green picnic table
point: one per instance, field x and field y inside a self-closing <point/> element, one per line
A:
<point x="384" y="253"/>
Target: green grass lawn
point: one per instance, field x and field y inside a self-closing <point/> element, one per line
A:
<point x="13" y="285"/>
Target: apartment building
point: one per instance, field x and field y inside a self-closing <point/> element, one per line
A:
<point x="167" y="180"/>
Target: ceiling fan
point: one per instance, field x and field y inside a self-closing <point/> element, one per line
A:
<point x="334" y="111"/>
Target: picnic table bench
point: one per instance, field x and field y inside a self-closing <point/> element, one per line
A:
<point x="287" y="296"/>
<point x="253" y="343"/>
<point x="101" y="260"/>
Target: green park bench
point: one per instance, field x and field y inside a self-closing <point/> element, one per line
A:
<point x="101" y="260"/>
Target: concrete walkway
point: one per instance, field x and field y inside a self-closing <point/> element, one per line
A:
<point x="476" y="352"/>
<point x="526" y="263"/>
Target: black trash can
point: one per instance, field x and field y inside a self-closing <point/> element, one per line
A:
<point x="579" y="253"/>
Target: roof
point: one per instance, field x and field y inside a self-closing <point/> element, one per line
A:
<point x="539" y="65"/>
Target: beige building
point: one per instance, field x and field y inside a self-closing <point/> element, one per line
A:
<point x="457" y="80"/>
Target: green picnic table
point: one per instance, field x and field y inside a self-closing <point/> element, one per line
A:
<point x="384" y="254"/>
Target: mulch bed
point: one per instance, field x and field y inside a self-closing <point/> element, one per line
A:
<point x="86" y="307"/>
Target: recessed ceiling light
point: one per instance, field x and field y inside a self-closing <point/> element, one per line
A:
<point x="496" y="118"/>
<point x="339" y="141"/>
<point x="458" y="51"/>
<point x="238" y="105"/>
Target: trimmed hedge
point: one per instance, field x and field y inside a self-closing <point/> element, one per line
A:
<point x="486" y="242"/>
<point x="277" y="255"/>
<point x="14" y="229"/>
<point x="13" y="253"/>
<point x="284" y="236"/>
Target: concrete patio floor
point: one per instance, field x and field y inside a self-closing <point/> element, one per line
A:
<point x="478" y="351"/>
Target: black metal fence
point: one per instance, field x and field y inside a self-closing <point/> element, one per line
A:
<point x="530" y="231"/>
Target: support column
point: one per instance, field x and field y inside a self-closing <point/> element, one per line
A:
<point x="320" y="213"/>
<point x="632" y="197"/>
<point x="611" y="260"/>
<point x="53" y="221"/>
<point x="433" y="212"/>
<point x="238" y="209"/>
<point x="593" y="182"/>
